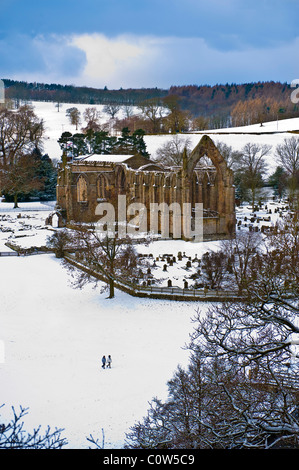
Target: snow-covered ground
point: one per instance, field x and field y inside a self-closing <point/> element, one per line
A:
<point x="24" y="226"/>
<point x="57" y="122"/>
<point x="53" y="336"/>
<point x="271" y="133"/>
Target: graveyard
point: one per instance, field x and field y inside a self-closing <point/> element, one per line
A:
<point x="163" y="265"/>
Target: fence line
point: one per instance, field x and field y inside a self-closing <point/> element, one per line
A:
<point x="24" y="252"/>
<point x="169" y="293"/>
<point x="30" y="208"/>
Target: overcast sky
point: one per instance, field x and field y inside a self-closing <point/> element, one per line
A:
<point x="149" y="43"/>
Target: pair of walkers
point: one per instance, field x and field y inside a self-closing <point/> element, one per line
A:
<point x="106" y="362"/>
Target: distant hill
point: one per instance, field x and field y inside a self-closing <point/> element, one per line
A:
<point x="205" y="100"/>
<point x="74" y="94"/>
<point x="208" y="100"/>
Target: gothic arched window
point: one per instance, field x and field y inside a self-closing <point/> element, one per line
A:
<point x="101" y="187"/>
<point x="81" y="189"/>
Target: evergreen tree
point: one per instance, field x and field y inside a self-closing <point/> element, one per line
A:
<point x="65" y="142"/>
<point x="139" y="144"/>
<point x="279" y="181"/>
<point x="99" y="142"/>
<point x="79" y="146"/>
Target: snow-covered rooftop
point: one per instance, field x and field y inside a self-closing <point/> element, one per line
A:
<point x="106" y="158"/>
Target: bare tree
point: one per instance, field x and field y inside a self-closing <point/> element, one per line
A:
<point x="128" y="110"/>
<point x="153" y="111"/>
<point x="240" y="252"/>
<point x="287" y="155"/>
<point x="213" y="269"/>
<point x="176" y="119"/>
<point x="96" y="442"/>
<point x="113" y="258"/>
<point x="112" y="109"/>
<point x="74" y="116"/>
<point x="232" y="157"/>
<point x="59" y="242"/>
<point x="171" y="153"/>
<point x="200" y="123"/>
<point x="92" y="116"/>
<point x="172" y="424"/>
<point x="14" y="436"/>
<point x="252" y="168"/>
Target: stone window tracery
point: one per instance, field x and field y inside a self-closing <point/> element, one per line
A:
<point x="81" y="189"/>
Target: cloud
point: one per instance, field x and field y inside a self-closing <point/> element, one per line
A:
<point x="136" y="61"/>
<point x="46" y="58"/>
<point x="108" y="60"/>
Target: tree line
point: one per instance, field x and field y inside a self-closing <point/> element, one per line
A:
<point x="33" y="91"/>
<point x="214" y="106"/>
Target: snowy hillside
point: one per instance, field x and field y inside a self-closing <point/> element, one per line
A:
<point x="271" y="133"/>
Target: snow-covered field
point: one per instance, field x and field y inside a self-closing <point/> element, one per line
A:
<point x="57" y="122"/>
<point x="53" y="337"/>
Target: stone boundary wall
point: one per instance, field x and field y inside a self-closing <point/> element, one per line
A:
<point x="164" y="293"/>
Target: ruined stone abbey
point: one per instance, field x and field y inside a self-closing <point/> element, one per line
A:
<point x="87" y="181"/>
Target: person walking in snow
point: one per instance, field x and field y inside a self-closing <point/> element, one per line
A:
<point x="109" y="360"/>
<point x="103" y="362"/>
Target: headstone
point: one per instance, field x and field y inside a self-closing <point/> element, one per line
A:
<point x="55" y="221"/>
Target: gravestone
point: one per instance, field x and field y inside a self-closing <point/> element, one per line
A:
<point x="55" y="221"/>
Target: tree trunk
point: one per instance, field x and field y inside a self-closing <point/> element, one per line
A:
<point x="15" y="201"/>
<point x="111" y="288"/>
